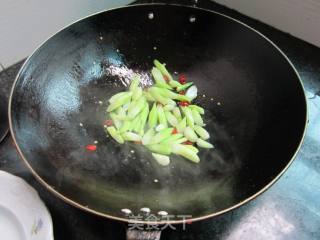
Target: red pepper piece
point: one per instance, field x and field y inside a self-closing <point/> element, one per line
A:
<point x="91" y="147"/>
<point x="108" y="122"/>
<point x="166" y="78"/>
<point x="184" y="103"/>
<point x="182" y="79"/>
<point x="188" y="143"/>
<point x="174" y="131"/>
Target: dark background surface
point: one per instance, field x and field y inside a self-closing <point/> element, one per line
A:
<point x="290" y="209"/>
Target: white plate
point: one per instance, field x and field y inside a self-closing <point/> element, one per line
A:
<point x="23" y="216"/>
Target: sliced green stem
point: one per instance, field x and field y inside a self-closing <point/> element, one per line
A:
<point x="130" y="136"/>
<point x="197" y="108"/>
<point x="115" y="135"/>
<point x="162" y="135"/>
<point x="164" y="149"/>
<point x="177" y="113"/>
<point x="161" y="116"/>
<point x="153" y="116"/>
<point x="197" y="117"/>
<point x="190" y="134"/>
<point x="134" y="83"/>
<point x="136" y="107"/>
<point x="204" y="144"/>
<point x="148" y="136"/>
<point x="184" y="151"/>
<point x="163" y="160"/>
<point x="158" y="77"/>
<point x="202" y="132"/>
<point x="171" y="118"/>
<point x="188" y="114"/>
<point x="121" y="100"/>
<point x="184" y="86"/>
<point x="181" y="125"/>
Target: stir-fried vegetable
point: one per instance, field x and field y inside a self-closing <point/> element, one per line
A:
<point x="153" y="118"/>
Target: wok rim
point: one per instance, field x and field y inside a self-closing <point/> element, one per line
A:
<point x="127" y="220"/>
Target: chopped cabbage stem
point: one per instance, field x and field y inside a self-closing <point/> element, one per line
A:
<point x="162" y="117"/>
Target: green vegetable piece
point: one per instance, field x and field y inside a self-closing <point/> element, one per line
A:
<point x="162" y="116"/>
<point x="202" y="132"/>
<point x="165" y="72"/>
<point x="123" y="99"/>
<point x="180" y="140"/>
<point x="148" y="96"/>
<point x="136" y="123"/>
<point x="126" y="106"/>
<point x="115" y="135"/>
<point x="168" y="107"/>
<point x="162" y="135"/>
<point x="171" y="118"/>
<point x="188" y="114"/>
<point x="119" y="116"/>
<point x="126" y="126"/>
<point x="145" y="114"/>
<point x="170" y="94"/>
<point x="121" y="112"/>
<point x="137" y="93"/>
<point x="184" y="86"/>
<point x="158" y="77"/>
<point x="197" y="108"/>
<point x="136" y="108"/>
<point x="182" y="98"/>
<point x="197" y="117"/>
<point x="163" y="160"/>
<point x="164" y="149"/>
<point x="162" y="69"/>
<point x="175" y="84"/>
<point x="204" y="144"/>
<point x="148" y="136"/>
<point x="186" y="152"/>
<point x="190" y="134"/>
<point x="134" y="83"/>
<point x="153" y="116"/>
<point x="143" y="118"/>
<point x="160" y="127"/>
<point x="141" y="131"/>
<point x="193" y="148"/>
<point x="173" y="138"/>
<point x="181" y="125"/>
<point x="115" y="120"/>
<point x="116" y="96"/>
<point x="171" y="102"/>
<point x="177" y="113"/>
<point x="166" y="92"/>
<point x="157" y="96"/>
<point x="130" y="136"/>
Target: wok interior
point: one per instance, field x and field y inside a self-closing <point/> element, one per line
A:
<point x="256" y="129"/>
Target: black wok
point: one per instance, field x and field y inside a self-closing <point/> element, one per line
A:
<point x="254" y="99"/>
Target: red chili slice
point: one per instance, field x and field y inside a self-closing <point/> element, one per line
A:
<point x="182" y="79"/>
<point x="108" y="122"/>
<point x="166" y="78"/>
<point x="174" y="131"/>
<point x="188" y="143"/>
<point x="184" y="103"/>
<point x="91" y="147"/>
